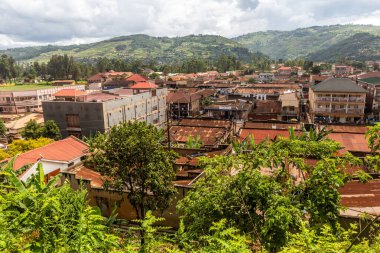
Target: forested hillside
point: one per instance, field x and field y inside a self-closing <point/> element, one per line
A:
<point x="307" y="41"/>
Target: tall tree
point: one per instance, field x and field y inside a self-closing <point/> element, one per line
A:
<point x="3" y="129"/>
<point x="32" y="130"/>
<point x="131" y="157"/>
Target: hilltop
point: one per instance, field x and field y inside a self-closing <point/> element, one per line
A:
<point x="319" y="43"/>
<point x="307" y="42"/>
<point x="162" y="49"/>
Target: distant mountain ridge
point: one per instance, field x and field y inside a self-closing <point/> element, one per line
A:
<point x="306" y="42"/>
<point x="139" y="46"/>
<point x="318" y="43"/>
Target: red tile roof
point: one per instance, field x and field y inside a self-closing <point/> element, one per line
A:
<point x="144" y="85"/>
<point x="69" y="93"/>
<point x="182" y="97"/>
<point x="96" y="77"/>
<point x="64" y="150"/>
<point x="82" y="172"/>
<point x="137" y="78"/>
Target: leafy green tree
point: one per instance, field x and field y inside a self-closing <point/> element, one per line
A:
<point x="132" y="158"/>
<point x="316" y="70"/>
<point x="252" y="80"/>
<point x="325" y="240"/>
<point x="3" y="129"/>
<point x="373" y="137"/>
<point x="192" y="142"/>
<point x="269" y="205"/>
<point x="32" y="130"/>
<point x="51" y="130"/>
<point x="21" y="146"/>
<point x="39" y="217"/>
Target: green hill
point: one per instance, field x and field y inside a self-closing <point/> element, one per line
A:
<point x="142" y="47"/>
<point x="307" y="41"/>
<point x="361" y="46"/>
<point x="322" y="43"/>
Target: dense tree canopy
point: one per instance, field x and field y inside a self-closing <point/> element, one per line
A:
<point x="269" y="206"/>
<point x="49" y="129"/>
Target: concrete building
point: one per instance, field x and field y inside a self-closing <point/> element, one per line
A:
<point x="337" y="100"/>
<point x="22" y="101"/>
<point x="290" y="106"/>
<point x="266" y="77"/>
<point x="98" y="112"/>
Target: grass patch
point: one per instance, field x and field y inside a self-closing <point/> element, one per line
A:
<point x="21" y="87"/>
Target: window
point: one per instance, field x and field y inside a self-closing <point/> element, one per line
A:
<point x="72" y="120"/>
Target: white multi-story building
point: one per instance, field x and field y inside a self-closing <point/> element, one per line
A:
<point x="23" y="101"/>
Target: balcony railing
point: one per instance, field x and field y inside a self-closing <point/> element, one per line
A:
<point x="26" y="103"/>
<point x="361" y="100"/>
<point x="328" y="99"/>
<point x="340" y="99"/>
<point x="340" y="110"/>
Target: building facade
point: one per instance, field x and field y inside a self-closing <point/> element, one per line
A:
<point x="100" y="111"/>
<point x="14" y="102"/>
<point x="337" y="100"/>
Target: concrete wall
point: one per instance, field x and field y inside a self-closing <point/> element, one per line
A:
<point x="106" y="201"/>
<point x="90" y="115"/>
<point x="101" y="116"/>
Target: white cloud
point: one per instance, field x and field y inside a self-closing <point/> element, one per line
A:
<point x="26" y="22"/>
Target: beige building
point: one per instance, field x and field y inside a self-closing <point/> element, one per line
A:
<point x="290" y="106"/>
<point x="337" y="100"/>
<point x="29" y="100"/>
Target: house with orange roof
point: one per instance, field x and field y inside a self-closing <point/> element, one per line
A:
<point x="54" y="157"/>
<point x="143" y="87"/>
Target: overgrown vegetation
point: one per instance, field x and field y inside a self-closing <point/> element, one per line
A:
<point x="266" y="197"/>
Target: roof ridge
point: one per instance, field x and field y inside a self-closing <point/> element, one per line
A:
<point x="35" y="149"/>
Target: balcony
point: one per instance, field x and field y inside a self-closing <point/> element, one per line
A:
<point x="339" y="111"/>
<point x="26" y="103"/>
<point x="341" y="99"/>
<point x="327" y="99"/>
<point x="357" y="100"/>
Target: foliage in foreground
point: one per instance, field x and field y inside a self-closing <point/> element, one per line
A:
<point x="256" y="192"/>
<point x="40" y="217"/>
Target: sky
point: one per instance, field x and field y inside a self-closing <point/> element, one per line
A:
<point x="63" y="22"/>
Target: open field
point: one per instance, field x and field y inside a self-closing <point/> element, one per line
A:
<point x="21" y="87"/>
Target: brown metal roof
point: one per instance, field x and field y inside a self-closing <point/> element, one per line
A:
<point x="347" y="129"/>
<point x="351" y="142"/>
<point x="271" y="125"/>
<point x="209" y="136"/>
<point x="205" y="122"/>
<point x="357" y="194"/>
